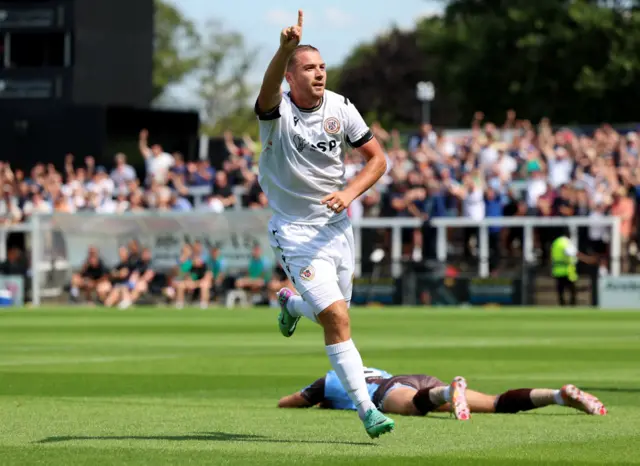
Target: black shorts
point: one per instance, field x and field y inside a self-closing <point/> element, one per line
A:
<point x="416" y="381"/>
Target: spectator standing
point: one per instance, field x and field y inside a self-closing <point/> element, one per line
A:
<point x="598" y="235"/>
<point x="157" y="161"/>
<point x="624" y="209"/>
<point x="473" y="207"/>
<point x="494" y="209"/>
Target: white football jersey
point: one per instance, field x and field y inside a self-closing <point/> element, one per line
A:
<point x="302" y="157"/>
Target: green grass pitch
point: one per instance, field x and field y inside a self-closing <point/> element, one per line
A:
<point x="160" y="386"/>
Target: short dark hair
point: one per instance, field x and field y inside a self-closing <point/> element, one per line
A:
<point x="299" y="49"/>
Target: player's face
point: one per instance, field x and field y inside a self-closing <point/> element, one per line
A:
<point x="308" y="77"/>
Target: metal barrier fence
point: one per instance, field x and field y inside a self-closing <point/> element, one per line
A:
<point x="57" y="243"/>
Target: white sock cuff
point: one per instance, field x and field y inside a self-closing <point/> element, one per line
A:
<point x="557" y="396"/>
<point x="340" y="347"/>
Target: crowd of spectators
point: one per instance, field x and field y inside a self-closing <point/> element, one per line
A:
<point x="517" y="169"/>
<point x="514" y="169"/>
<point x="168" y="182"/>
<point x="200" y="276"/>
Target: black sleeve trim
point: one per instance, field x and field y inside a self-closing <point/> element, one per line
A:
<point x="314" y="393"/>
<point x="362" y="141"/>
<point x="272" y="114"/>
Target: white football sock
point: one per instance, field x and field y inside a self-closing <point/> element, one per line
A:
<point x="298" y="307"/>
<point x="447" y="394"/>
<point x="557" y="396"/>
<point x="346" y="361"/>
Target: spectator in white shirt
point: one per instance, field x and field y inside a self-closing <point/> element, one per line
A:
<point x="473" y="207"/>
<point x="536" y="187"/>
<point x="506" y="164"/>
<point x="37" y="205"/>
<point x="101" y="183"/>
<point x="158" y="162"/>
<point x="560" y="167"/>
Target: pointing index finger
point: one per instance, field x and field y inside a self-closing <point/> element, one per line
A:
<point x="300" y="18"/>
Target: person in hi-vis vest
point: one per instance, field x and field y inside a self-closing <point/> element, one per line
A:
<point x="564" y="257"/>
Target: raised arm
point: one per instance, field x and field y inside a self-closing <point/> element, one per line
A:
<point x="271" y="89"/>
<point x="143" y="143"/>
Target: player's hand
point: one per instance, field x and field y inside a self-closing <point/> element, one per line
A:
<point x="290" y="37"/>
<point x="337" y="201"/>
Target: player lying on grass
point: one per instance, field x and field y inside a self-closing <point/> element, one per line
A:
<point x="419" y="394"/>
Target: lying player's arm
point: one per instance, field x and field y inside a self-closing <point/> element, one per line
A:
<point x="305" y="398"/>
<point x="271" y="89"/>
<point x="294" y="401"/>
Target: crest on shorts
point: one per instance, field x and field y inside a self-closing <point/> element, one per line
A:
<point x="332" y="125"/>
<point x="308" y="273"/>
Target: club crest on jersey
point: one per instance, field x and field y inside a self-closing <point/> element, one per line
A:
<point x="332" y="125"/>
<point x="308" y="273"/>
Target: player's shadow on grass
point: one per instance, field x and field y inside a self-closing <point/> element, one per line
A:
<point x="200" y="436"/>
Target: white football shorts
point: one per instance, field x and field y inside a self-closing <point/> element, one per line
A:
<point x="318" y="259"/>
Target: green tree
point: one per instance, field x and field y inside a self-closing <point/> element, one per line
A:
<point x="223" y="81"/>
<point x="573" y="61"/>
<point x="381" y="77"/>
<point x="176" y="47"/>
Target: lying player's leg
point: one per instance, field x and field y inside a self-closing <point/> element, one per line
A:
<point x="417" y="395"/>
<point x="526" y="399"/>
<point x="311" y="257"/>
